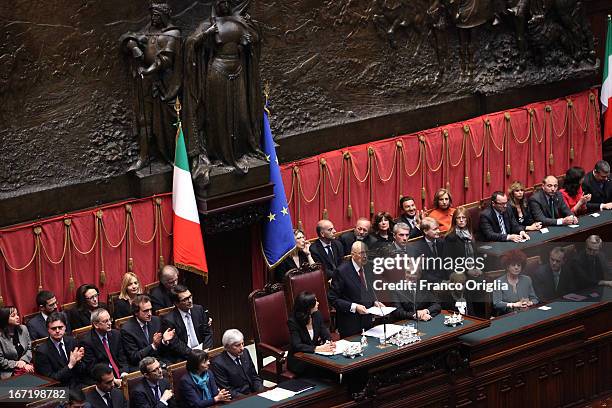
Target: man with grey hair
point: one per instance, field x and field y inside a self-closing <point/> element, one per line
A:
<point x="160" y="295"/>
<point x="153" y="391"/>
<point x="234" y="369"/>
<point x="591" y="266"/>
<point x="401" y="233"/>
<point x="359" y="233"/>
<point x="597" y="183"/>
<point x="103" y="344"/>
<point x="554" y="279"/>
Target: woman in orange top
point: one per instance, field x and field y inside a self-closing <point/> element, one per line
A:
<point x="572" y="191"/>
<point x="443" y="211"/>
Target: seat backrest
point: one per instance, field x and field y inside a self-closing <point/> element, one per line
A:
<point x="297" y="281"/>
<point x="26" y="318"/>
<point x="38" y="342"/>
<point x="492" y="275"/>
<point x="68" y="306"/>
<point x="47" y="403"/>
<point x="129" y="381"/>
<point x="176" y="371"/>
<point x="164" y="311"/>
<point x="269" y="314"/>
<point x="120" y="322"/>
<point x="532" y="264"/>
<point x="110" y="301"/>
<point x="151" y="286"/>
<point x="81" y="332"/>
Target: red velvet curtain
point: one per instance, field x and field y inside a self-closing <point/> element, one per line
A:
<point x="95" y="246"/>
<point x="471" y="158"/>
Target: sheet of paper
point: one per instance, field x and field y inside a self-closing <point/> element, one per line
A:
<point x="573" y="296"/>
<point x="574" y="226"/>
<point x="380" y="311"/>
<point x="544" y="230"/>
<point x="277" y="394"/>
<point x="379" y="331"/>
<point x="544" y="307"/>
<point x="486" y="247"/>
<point x="341" y="345"/>
<point x="595" y="215"/>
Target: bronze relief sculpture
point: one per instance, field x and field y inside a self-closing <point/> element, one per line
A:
<point x="223" y="100"/>
<point x="156" y="68"/>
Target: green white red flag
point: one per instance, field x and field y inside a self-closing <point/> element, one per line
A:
<point x="606" y="85"/>
<point x="187" y="243"/>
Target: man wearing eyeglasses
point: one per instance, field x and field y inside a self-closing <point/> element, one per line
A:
<point x="37" y="325"/>
<point x="60" y="357"/>
<point x="153" y="391"/>
<point x="160" y="295"/>
<point x="497" y="222"/>
<point x="191" y="323"/>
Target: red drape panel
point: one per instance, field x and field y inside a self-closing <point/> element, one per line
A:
<point x="47" y="254"/>
<point x="472" y="158"/>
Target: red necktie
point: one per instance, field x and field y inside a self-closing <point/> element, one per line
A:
<point x="110" y="358"/>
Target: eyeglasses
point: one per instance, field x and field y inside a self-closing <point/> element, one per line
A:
<point x="92" y="297"/>
<point x="57" y="328"/>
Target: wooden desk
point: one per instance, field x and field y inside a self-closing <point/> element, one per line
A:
<point x="26" y="381"/>
<point x="321" y="396"/>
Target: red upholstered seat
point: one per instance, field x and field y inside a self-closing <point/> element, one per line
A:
<point x="314" y="282"/>
<point x="269" y="314"/>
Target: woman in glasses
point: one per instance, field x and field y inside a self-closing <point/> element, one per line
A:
<point x="87" y="300"/>
<point x="15" y="345"/>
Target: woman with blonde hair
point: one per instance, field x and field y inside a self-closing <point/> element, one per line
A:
<point x="130" y="287"/>
<point x="519" y="207"/>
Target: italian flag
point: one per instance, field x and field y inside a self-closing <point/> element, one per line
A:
<point x="188" y="244"/>
<point x="606" y="86"/>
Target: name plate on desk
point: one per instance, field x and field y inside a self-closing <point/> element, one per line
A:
<point x="544" y="230"/>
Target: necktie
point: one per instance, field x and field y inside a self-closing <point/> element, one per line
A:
<point x="551" y="203"/>
<point x="434" y="248"/>
<point x="330" y="252"/>
<point x="192" y="338"/>
<point x="156" y="391"/>
<point x="362" y="277"/>
<point x="239" y="364"/>
<point x="145" y="329"/>
<point x="62" y="353"/>
<point x="110" y="358"/>
<point x="109" y="400"/>
<point x="502" y="226"/>
<point x="556" y="277"/>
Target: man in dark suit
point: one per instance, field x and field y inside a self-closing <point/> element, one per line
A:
<point x="359" y="233"/>
<point x="599" y="186"/>
<point x="59" y="357"/>
<point x="352" y="294"/>
<point x="191" y="323"/>
<point x="142" y="335"/>
<point x="415" y="303"/>
<point x="431" y="247"/>
<point x="153" y="391"/>
<point x="104" y="345"/>
<point x="497" y="222"/>
<point x="234" y="370"/>
<point x="591" y="265"/>
<point x="37" y="325"/>
<point x="105" y="394"/>
<point x="555" y="278"/>
<point x="327" y="250"/>
<point x="401" y="234"/>
<point x="160" y="295"/>
<point x="410" y="215"/>
<point x="548" y="206"/>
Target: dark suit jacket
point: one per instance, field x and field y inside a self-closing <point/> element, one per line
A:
<point x="287" y="265"/>
<point x="97" y="401"/>
<point x="346" y="288"/>
<point x="122" y="308"/>
<point x="301" y="341"/>
<point x="454" y="247"/>
<point x="538" y="204"/>
<point x="404" y="302"/>
<point x="404" y="218"/>
<point x="599" y="195"/>
<point x="320" y="255"/>
<point x="95" y="352"/>
<point x="527" y="217"/>
<point x="544" y="282"/>
<point x="160" y="298"/>
<point x="347" y="239"/>
<point x="81" y="317"/>
<point x="433" y="274"/>
<point x="191" y="395"/>
<point x="49" y="363"/>
<point x="141" y="395"/>
<point x="179" y="350"/>
<point x="589" y="270"/>
<point x="37" y="327"/>
<point x="136" y="346"/>
<point x="489" y="225"/>
<point x="237" y="380"/>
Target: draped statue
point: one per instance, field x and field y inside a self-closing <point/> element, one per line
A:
<point x="223" y="109"/>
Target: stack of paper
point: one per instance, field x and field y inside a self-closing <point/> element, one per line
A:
<point x="277" y="394"/>
<point x="380" y="311"/>
<point x="341" y="345"/>
<point x="380" y="330"/>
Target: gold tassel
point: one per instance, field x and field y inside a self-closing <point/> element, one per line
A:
<point x="371" y="207"/>
<point x="300" y="225"/>
<point x="571" y="153"/>
<point x="1" y="301"/>
<point x="162" y="262"/>
<point x="71" y="283"/>
<point x="531" y="166"/>
<point x="422" y="193"/>
<point x="325" y="213"/>
<point x="131" y="265"/>
<point x="551" y="160"/>
<point x="40" y="288"/>
<point x="466" y="182"/>
<point x="349" y="211"/>
<point x="448" y="185"/>
<point x="508" y="171"/>
<point x="102" y="278"/>
<point x="488" y="177"/>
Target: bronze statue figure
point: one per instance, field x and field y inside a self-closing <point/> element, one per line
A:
<point x="223" y="100"/>
<point x="156" y="66"/>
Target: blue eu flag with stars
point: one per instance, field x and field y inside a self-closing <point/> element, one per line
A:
<point x="277" y="237"/>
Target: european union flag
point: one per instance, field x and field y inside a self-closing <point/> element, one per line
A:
<point x="277" y="238"/>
